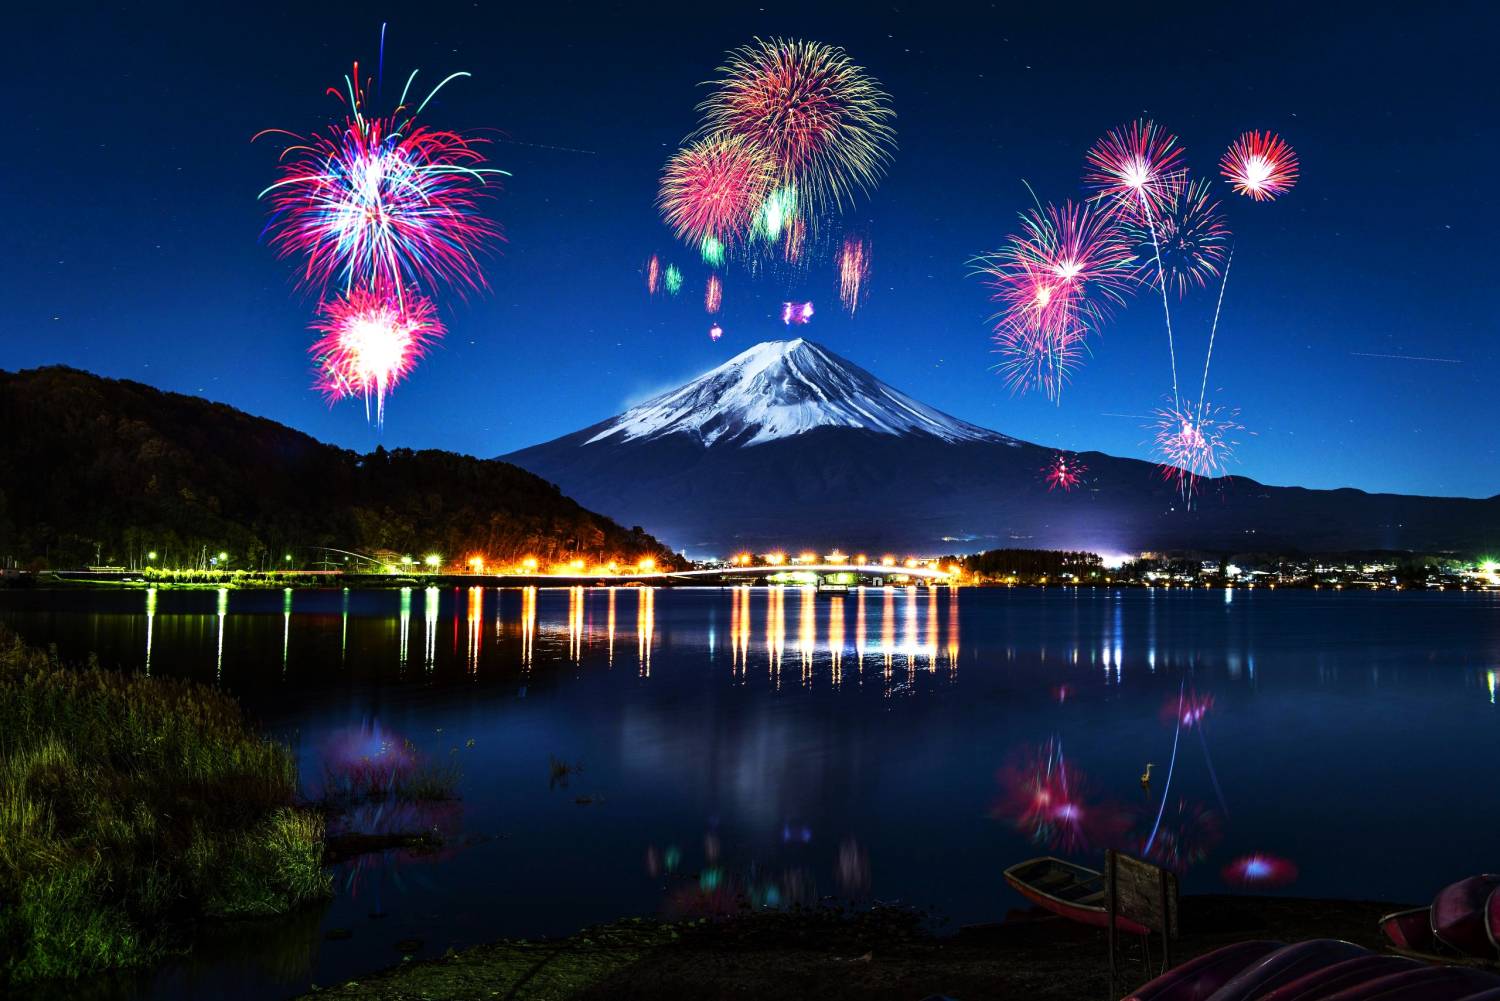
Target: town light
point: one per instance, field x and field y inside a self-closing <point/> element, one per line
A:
<point x="860" y="559"/>
<point x="911" y="564"/>
<point x="576" y="564"/>
<point x="151" y="555"/>
<point x="888" y="561"/>
<point x="647" y="564"/>
<point x="223" y="557"/>
<point x="477" y="562"/>
<point x="287" y="558"/>
<point x="836" y="557"/>
<point x="529" y="563"/>
<point x="776" y="559"/>
<point x="433" y="560"/>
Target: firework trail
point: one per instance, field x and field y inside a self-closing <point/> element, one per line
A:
<point x="713" y="294"/>
<point x="672" y="279"/>
<point x="370" y="341"/>
<point x="1260" y="165"/>
<point x="382" y="201"/>
<point x="1133" y="168"/>
<point x="1213" y="331"/>
<point x="1063" y="472"/>
<point x="712" y="189"/>
<point x="1192" y="236"/>
<point x="823" y="120"/>
<point x="653" y="275"/>
<point x="854" y="272"/>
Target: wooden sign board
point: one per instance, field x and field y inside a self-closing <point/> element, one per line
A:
<point x="1142" y="893"/>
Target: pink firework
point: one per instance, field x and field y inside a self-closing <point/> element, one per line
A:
<point x="1191" y="237"/>
<point x="796" y="313"/>
<point x="1186" y="837"/>
<point x="1045" y="798"/>
<point x="1038" y="359"/>
<point x="370" y="341"/>
<point x="1064" y="472"/>
<point x="1260" y="870"/>
<point x="1192" y="706"/>
<point x="383" y="202"/>
<point x="1193" y="442"/>
<point x="715" y="332"/>
<point x="712" y="189"/>
<point x="1260" y="165"/>
<point x="1134" y="165"/>
<point x="854" y="272"/>
<point x="653" y="275"/>
<point x="713" y="294"/>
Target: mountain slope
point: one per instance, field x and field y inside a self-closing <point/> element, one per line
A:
<point x="788" y="445"/>
<point x="87" y="460"/>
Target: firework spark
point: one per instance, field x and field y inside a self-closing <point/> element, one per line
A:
<point x="1191" y="236"/>
<point x="823" y="120"/>
<point x="712" y="189"/>
<point x="1038" y="359"/>
<point x="1134" y="166"/>
<point x="713" y="294"/>
<point x="712" y="251"/>
<point x="854" y="272"/>
<point x="653" y="275"/>
<point x="1192" y="443"/>
<point x="672" y="279"/>
<point x="383" y="202"/>
<point x="1260" y="165"/>
<point x="715" y="332"/>
<point x="797" y="313"/>
<point x="1064" y="472"/>
<point x="370" y="341"/>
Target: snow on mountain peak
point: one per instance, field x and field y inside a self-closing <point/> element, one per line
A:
<point x="778" y="389"/>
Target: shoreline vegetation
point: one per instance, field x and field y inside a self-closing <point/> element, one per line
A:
<point x="132" y="808"/>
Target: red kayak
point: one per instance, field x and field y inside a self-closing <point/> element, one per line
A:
<point x="1429" y="983"/>
<point x="1285" y="965"/>
<point x="1075" y="892"/>
<point x="1459" y="915"/>
<point x="1198" y="978"/>
<point x="1330" y="980"/>
<point x="1410" y="930"/>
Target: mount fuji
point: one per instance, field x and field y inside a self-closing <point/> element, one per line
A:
<point x="789" y="446"/>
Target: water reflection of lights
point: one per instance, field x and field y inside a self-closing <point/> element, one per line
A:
<point x="528" y="625"/>
<point x="836" y="638"/>
<point x="476" y="627"/>
<point x="610" y="626"/>
<point x="575" y="623"/>
<point x="807" y="632"/>
<point x="151" y="620"/>
<point x="404" y="627"/>
<point x="859" y="625"/>
<point x="953" y="632"/>
<point x="775" y="630"/>
<point x="888" y="630"/>
<point x="223" y="611"/>
<point x="645" y="627"/>
<point x="1489" y="677"/>
<point x="739" y="632"/>
<point x="429" y="634"/>
<point x="344" y="631"/>
<point x="286" y="629"/>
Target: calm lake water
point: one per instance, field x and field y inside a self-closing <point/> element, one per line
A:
<point x="785" y="744"/>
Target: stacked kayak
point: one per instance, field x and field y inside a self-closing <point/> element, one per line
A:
<point x="1318" y="970"/>
<point x="1462" y="921"/>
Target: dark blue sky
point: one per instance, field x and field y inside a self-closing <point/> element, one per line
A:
<point x="131" y="243"/>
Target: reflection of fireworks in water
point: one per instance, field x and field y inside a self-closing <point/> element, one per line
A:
<point x="715" y="332"/>
<point x="382" y="201"/>
<point x="712" y="189"/>
<point x="1063" y="472"/>
<point x="1045" y="798"/>
<point x="854" y="272"/>
<point x="1260" y="870"/>
<point x="852" y="868"/>
<point x="1191" y="235"/>
<point x="672" y="279"/>
<point x="823" y="120"/>
<point x="713" y="294"/>
<point x="1192" y="707"/>
<point x="1261" y="166"/>
<point x="370" y="342"/>
<point x="796" y="313"/>
<point x="653" y="275"/>
<point x="1193" y="443"/>
<point x="1186" y="837"/>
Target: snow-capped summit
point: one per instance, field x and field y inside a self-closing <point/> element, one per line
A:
<point x="780" y="389"/>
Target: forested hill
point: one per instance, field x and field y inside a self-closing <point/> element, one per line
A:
<point x="105" y="470"/>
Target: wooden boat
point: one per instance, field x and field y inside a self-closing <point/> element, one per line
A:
<point x="1320" y="984"/>
<point x="1410" y="931"/>
<point x="1200" y="977"/>
<point x="1073" y="891"/>
<point x="1459" y="914"/>
<point x="1285" y="965"/>
<point x="1427" y="983"/>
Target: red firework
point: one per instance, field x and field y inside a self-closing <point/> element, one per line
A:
<point x="371" y="341"/>
<point x="854" y="272"/>
<point x="1260" y="870"/>
<point x="1193" y="442"/>
<point x="711" y="189"/>
<point x="1133" y="166"/>
<point x="713" y="294"/>
<point x="1064" y="472"/>
<point x="382" y="202"/>
<point x="1260" y="165"/>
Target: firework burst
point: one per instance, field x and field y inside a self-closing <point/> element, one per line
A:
<point x="1192" y="443"/>
<point x="823" y="120"/>
<point x="712" y="189"/>
<point x="672" y="279"/>
<point x="1063" y="472"/>
<point x="371" y="339"/>
<point x="1260" y="165"/>
<point x="854" y="272"/>
<point x="1191" y="236"/>
<point x="713" y="294"/>
<point x="383" y="202"/>
<point x="1134" y="166"/>
<point x="653" y="275"/>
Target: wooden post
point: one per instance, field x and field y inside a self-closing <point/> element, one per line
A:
<point x="1143" y="894"/>
<point x="1112" y="903"/>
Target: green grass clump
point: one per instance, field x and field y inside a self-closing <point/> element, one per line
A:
<point x="130" y="806"/>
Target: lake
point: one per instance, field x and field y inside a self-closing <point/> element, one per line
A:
<point x="637" y="751"/>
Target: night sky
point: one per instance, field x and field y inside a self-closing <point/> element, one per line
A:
<point x="133" y="248"/>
